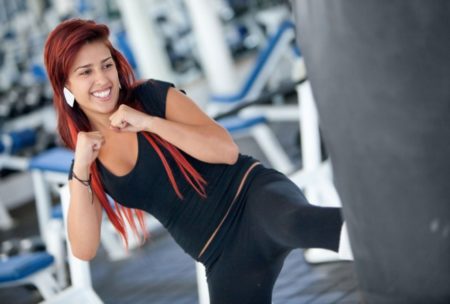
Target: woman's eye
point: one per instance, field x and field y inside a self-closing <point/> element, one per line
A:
<point x="85" y="72"/>
<point x="108" y="65"/>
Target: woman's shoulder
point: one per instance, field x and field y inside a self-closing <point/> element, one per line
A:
<point x="152" y="94"/>
<point x="152" y="87"/>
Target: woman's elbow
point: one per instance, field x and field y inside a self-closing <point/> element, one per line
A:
<point x="83" y="252"/>
<point x="84" y="255"/>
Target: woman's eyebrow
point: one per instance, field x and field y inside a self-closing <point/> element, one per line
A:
<point x="90" y="64"/>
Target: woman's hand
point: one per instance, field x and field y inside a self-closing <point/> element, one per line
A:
<point x="129" y="119"/>
<point x="87" y="149"/>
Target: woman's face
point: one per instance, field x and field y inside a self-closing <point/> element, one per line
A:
<point x="93" y="80"/>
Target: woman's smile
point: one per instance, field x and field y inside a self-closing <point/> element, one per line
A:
<point x="103" y="94"/>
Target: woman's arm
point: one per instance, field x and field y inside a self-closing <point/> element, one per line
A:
<point x="84" y="216"/>
<point x="186" y="126"/>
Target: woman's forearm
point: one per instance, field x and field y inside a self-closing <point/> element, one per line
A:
<point x="83" y="224"/>
<point x="210" y="143"/>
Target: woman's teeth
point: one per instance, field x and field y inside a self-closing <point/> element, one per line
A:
<point x="102" y="94"/>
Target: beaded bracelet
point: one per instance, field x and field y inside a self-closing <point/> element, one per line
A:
<point x="86" y="183"/>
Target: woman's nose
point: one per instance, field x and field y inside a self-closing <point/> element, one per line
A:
<point x="101" y="77"/>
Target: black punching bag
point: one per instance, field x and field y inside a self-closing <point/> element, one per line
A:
<point x="380" y="73"/>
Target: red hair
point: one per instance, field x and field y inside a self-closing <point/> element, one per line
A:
<point x="60" y="50"/>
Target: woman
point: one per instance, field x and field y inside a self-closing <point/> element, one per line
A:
<point x="152" y="149"/>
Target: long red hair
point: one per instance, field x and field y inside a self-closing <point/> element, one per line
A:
<point x="60" y="50"/>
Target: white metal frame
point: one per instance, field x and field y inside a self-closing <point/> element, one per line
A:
<point x="316" y="177"/>
<point x="8" y="161"/>
<point x="81" y="290"/>
<point x="43" y="280"/>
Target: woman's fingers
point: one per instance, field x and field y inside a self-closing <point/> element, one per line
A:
<point x="97" y="143"/>
<point x="88" y="146"/>
<point x="126" y="119"/>
<point x="118" y="119"/>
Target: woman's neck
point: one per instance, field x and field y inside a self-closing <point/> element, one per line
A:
<point x="99" y="122"/>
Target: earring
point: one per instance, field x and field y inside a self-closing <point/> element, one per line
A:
<point x="70" y="99"/>
<point x="120" y="86"/>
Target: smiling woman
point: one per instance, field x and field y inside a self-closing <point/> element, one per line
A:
<point x="152" y="149"/>
<point x="94" y="81"/>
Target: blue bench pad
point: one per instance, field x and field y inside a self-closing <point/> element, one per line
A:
<point x="234" y="124"/>
<point x="20" y="266"/>
<point x="55" y="159"/>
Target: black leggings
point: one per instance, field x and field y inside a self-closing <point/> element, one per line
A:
<point x="275" y="219"/>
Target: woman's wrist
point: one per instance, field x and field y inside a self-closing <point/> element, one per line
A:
<point x="82" y="171"/>
<point x="150" y="124"/>
<point x="84" y="181"/>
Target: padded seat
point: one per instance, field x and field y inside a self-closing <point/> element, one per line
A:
<point x="14" y="141"/>
<point x="20" y="266"/>
<point x="257" y="127"/>
<point x="55" y="159"/>
<point x="235" y="124"/>
<point x="30" y="268"/>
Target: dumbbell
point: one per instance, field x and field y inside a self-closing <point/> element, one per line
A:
<point x="9" y="248"/>
<point x="32" y="99"/>
<point x="19" y="104"/>
<point x="16" y="246"/>
<point x="16" y="140"/>
<point x="31" y="244"/>
<point x="7" y="104"/>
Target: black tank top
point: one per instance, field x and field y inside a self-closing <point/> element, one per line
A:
<point x="192" y="220"/>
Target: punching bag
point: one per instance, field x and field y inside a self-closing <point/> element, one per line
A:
<point x="380" y="74"/>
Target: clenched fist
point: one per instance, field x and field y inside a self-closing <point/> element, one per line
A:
<point x="129" y="119"/>
<point x="87" y="149"/>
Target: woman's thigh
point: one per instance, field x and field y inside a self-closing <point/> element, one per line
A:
<point x="247" y="269"/>
<point x="281" y="211"/>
